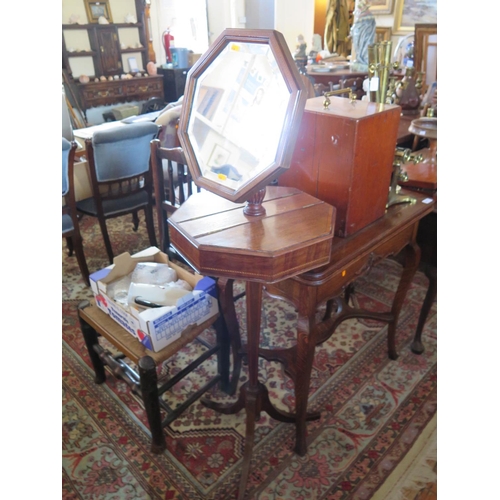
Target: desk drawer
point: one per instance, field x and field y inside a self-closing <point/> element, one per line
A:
<point x="332" y="279"/>
<point x="100" y="92"/>
<point x="336" y="277"/>
<point x="138" y="87"/>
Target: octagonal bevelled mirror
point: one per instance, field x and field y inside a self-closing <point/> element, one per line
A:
<point x="243" y="103"/>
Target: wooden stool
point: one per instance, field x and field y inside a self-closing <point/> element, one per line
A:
<point x="95" y="323"/>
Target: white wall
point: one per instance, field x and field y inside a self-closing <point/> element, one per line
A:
<point x="187" y="22"/>
<point x="293" y="18"/>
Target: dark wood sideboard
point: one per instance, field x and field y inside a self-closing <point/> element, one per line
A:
<point x="139" y="88"/>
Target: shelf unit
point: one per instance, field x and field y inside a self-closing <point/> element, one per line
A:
<point x="104" y="41"/>
<point x="105" y="52"/>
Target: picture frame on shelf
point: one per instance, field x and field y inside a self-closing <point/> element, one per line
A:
<point x="132" y="65"/>
<point x="382" y="34"/>
<point x="96" y="9"/>
<point x="407" y="13"/>
<point x="381" y="6"/>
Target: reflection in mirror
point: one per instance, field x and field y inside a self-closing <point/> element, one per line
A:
<point x="426" y="53"/>
<point x="238" y="113"/>
<point x="429" y="60"/>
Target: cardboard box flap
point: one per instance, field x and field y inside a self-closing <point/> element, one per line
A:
<point x="207" y="284"/>
<point x="124" y="263"/>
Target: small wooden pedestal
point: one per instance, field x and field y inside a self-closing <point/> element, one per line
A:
<point x="294" y="236"/>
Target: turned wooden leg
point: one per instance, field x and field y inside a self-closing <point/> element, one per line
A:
<point x="226" y="303"/>
<point x="223" y="353"/>
<point x="80" y="257"/>
<point x="69" y="245"/>
<point x="107" y="241"/>
<point x="431" y="272"/>
<point x="306" y="343"/>
<point x="348" y="292"/>
<point x="329" y="310"/>
<point x="149" y="389"/>
<point x="254" y="311"/>
<point x="150" y="226"/>
<point x="412" y="259"/>
<point x="135" y="220"/>
<point x="91" y="339"/>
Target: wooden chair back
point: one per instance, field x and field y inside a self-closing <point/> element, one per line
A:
<point x="356" y="84"/>
<point x="173" y="184"/>
<point x="120" y="174"/>
<point x="70" y="225"/>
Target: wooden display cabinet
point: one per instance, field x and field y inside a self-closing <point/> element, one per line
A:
<point x="106" y="54"/>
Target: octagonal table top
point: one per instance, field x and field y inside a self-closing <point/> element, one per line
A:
<point x="218" y="239"/>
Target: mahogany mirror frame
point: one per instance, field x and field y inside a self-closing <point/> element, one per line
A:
<point x="422" y="32"/>
<point x="295" y="108"/>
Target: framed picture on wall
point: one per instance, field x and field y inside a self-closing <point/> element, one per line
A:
<point x="382" y="34"/>
<point x="97" y="9"/>
<point x="410" y="12"/>
<point x="381" y="6"/>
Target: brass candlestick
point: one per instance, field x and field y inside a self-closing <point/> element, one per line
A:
<point x="379" y="67"/>
<point x="385" y="48"/>
<point x="419" y="81"/>
<point x="391" y="91"/>
<point x="373" y="68"/>
<point x="401" y="156"/>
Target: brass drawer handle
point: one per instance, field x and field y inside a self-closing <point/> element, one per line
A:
<point x="103" y="93"/>
<point x="144" y="89"/>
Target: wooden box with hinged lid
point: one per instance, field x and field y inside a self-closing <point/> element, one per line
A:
<point x="343" y="156"/>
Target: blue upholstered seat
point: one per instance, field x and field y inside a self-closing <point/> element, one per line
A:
<point x="120" y="172"/>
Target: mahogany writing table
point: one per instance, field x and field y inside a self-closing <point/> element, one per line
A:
<point x="216" y="221"/>
<point x="351" y="257"/>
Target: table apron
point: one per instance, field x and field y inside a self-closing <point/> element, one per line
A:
<point x="306" y="297"/>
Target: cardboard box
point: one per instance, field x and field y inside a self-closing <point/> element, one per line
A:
<point x="155" y="328"/>
<point x="343" y="155"/>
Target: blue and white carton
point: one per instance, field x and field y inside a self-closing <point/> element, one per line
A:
<point x="156" y="328"/>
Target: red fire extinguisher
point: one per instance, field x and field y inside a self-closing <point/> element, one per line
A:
<point x="168" y="40"/>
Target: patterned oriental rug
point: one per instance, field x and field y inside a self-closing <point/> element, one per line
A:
<point x="372" y="409"/>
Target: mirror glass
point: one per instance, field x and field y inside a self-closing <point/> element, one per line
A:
<point x="238" y="114"/>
